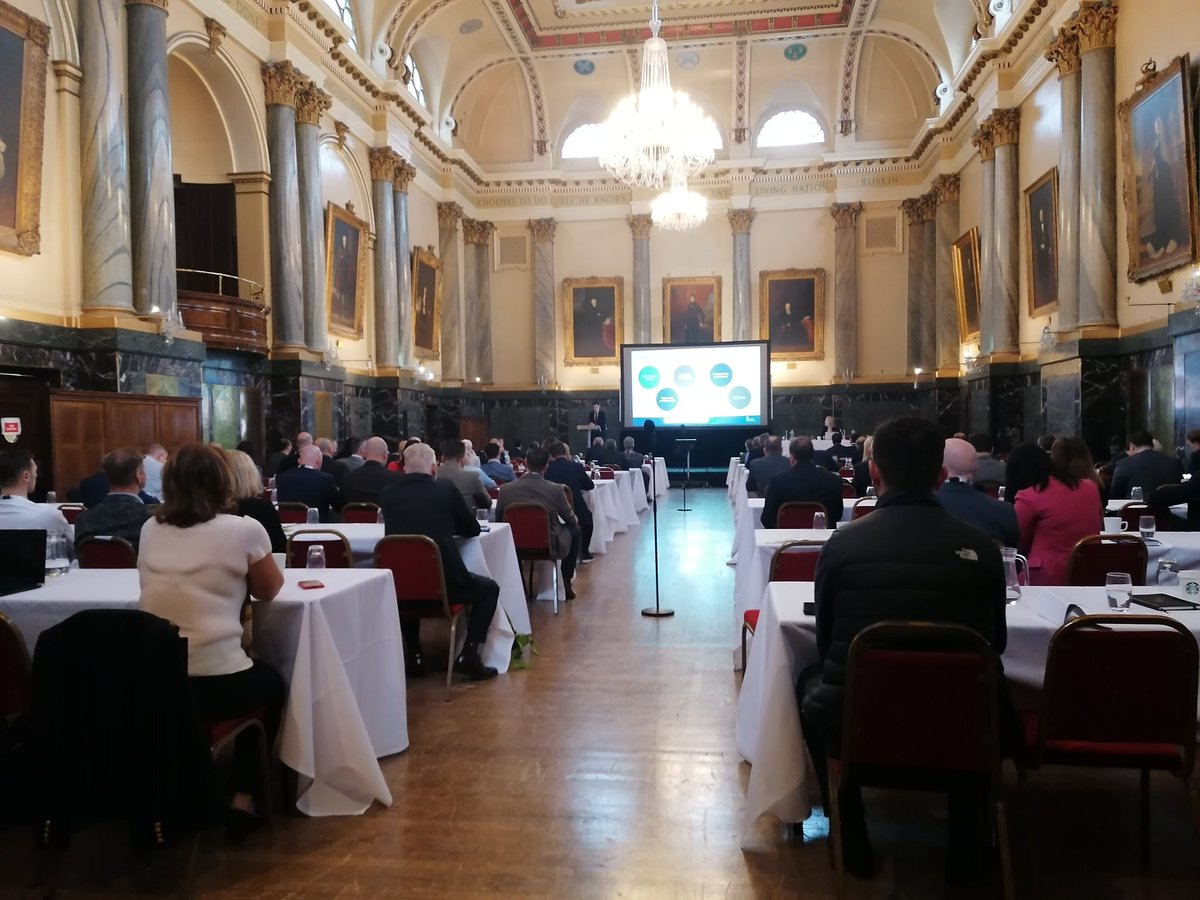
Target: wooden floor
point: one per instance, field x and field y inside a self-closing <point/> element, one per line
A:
<point x="608" y="770"/>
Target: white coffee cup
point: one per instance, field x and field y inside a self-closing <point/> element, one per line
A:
<point x="280" y="560"/>
<point x="1189" y="584"/>
<point x="1113" y="524"/>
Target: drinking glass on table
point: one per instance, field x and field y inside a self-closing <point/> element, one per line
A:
<point x="316" y="557"/>
<point x="1135" y="495"/>
<point x="313" y="516"/>
<point x="1168" y="572"/>
<point x="1119" y="587"/>
<point x="1146" y="525"/>
<point x="818" y="522"/>
<point x="1012" y="578"/>
<point x="51" y="497"/>
<point x="58" y="558"/>
<point x="481" y="516"/>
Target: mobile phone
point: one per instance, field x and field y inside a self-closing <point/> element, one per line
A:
<point x="310" y="585"/>
<point x="810" y="608"/>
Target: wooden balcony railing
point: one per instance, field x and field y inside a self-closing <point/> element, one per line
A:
<point x="227" y="310"/>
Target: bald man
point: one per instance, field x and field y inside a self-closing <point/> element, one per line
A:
<point x="303" y="439"/>
<point x="366" y="483"/>
<point x="307" y="484"/>
<point x="959" y="496"/>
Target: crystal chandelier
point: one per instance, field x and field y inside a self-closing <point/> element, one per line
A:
<point x="657" y="132"/>
<point x="679" y="208"/>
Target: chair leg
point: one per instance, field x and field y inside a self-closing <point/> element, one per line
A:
<point x="450" y="662"/>
<point x="1026" y="825"/>
<point x="1144" y="818"/>
<point x="264" y="775"/>
<point x="745" y="628"/>
<point x="554" y="579"/>
<point x="835" y="831"/>
<point x="1006" y="873"/>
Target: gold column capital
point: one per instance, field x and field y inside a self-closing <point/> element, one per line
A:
<point x="1095" y="25"/>
<point x="740" y="220"/>
<point x="640" y="224"/>
<point x="1064" y="51"/>
<point x="405" y="173"/>
<point x="383" y="163"/>
<point x="311" y="101"/>
<point x="476" y="231"/>
<point x="449" y="215"/>
<point x="543" y="229"/>
<point x="282" y="81"/>
<point x="946" y="187"/>
<point x="984" y="141"/>
<point x="1005" y="126"/>
<point x="845" y="215"/>
<point x="914" y="209"/>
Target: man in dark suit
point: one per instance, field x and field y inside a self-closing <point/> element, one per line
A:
<point x="417" y="503"/>
<point x="756" y="448"/>
<point x="366" y="483"/>
<point x="121" y="513"/>
<point x="763" y="470"/>
<point x="600" y="420"/>
<point x="292" y="460"/>
<point x="959" y="497"/>
<point x="1163" y="498"/>
<point x="535" y="486"/>
<point x="804" y="481"/>
<point x="844" y="451"/>
<point x="307" y="484"/>
<point x="563" y="470"/>
<point x="1145" y="467"/>
<point x="595" y="450"/>
<point x="610" y="456"/>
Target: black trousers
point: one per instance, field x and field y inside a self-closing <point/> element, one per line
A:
<point x="571" y="560"/>
<point x="223" y="697"/>
<point x="481" y="596"/>
<point x="586" y="526"/>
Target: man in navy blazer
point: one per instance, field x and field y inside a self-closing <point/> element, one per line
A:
<point x="959" y="496"/>
<point x="1145" y="467"/>
<point x="564" y="470"/>
<point x="803" y="482"/>
<point x="307" y="484"/>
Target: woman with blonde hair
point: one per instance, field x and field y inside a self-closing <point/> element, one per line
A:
<point x="247" y="494"/>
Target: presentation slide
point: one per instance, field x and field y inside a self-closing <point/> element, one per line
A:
<point x="706" y="385"/>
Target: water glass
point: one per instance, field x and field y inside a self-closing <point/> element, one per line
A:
<point x="1168" y="572"/>
<point x="818" y="522"/>
<point x="1146" y="525"/>
<point x="51" y="497"/>
<point x="379" y="517"/>
<point x="316" y="557"/>
<point x="313" y="516"/>
<point x="481" y="515"/>
<point x="1119" y="587"/>
<point x="1000" y="492"/>
<point x="870" y="490"/>
<point x="1012" y="578"/>
<point x="1135" y="494"/>
<point x="58" y="559"/>
<point x="275" y="496"/>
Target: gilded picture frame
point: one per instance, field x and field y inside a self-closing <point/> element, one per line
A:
<point x="692" y="310"/>
<point x="791" y="312"/>
<point x="1158" y="162"/>
<point x="1041" y="244"/>
<point x="24" y="43"/>
<point x="593" y="319"/>
<point x="966" y="285"/>
<point x="427" y="303"/>
<point x="345" y="271"/>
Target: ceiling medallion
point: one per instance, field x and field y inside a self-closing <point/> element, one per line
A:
<point x="688" y="59"/>
<point x="584" y="67"/>
<point x="470" y="26"/>
<point x="795" y="52"/>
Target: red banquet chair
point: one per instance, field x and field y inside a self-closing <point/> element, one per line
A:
<point x="71" y="511"/>
<point x="16" y="676"/>
<point x="224" y="734"/>
<point x="104" y="551"/>
<point x="416" y="566"/>
<point x="530" y="524"/>
<point x="862" y="507"/>
<point x="1131" y="514"/>
<point x="1098" y="554"/>
<point x="293" y="513"/>
<point x="607" y="473"/>
<point x="848" y="491"/>
<point x="334" y="543"/>
<point x="797" y="514"/>
<point x="794" y="561"/>
<point x="360" y="513"/>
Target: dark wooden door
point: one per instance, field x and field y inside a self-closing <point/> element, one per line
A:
<point x="25" y="394"/>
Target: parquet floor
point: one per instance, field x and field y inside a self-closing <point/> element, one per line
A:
<point x="608" y="770"/>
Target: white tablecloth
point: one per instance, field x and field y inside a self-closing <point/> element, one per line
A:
<point x="659" y="482"/>
<point x="734" y="462"/>
<point x="607" y="520"/>
<point x="338" y="648"/>
<point x="626" y="492"/>
<point x="1115" y="506"/>
<point x="754" y="568"/>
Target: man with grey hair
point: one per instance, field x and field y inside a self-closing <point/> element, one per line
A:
<point x="307" y="484"/>
<point x="762" y="470"/>
<point x="366" y="483"/>
<point x="959" y="496"/>
<point x="417" y="503"/>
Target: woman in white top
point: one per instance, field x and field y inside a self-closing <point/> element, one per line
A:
<point x="197" y="564"/>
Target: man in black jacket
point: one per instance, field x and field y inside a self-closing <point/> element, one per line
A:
<point x="959" y="497"/>
<point x="909" y="560"/>
<point x="1145" y="467"/>
<point x="307" y="484"/>
<point x="763" y="470"/>
<point x="564" y="470"/>
<point x="420" y="504"/>
<point x="366" y="483"/>
<point x="803" y="482"/>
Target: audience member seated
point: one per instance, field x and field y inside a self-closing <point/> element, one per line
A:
<point x="417" y="503"/>
<point x="1145" y="467"/>
<point x="307" y="484"/>
<point x="610" y="456"/>
<point x="595" y="450"/>
<point x="500" y="472"/>
<point x="862" y="471"/>
<point x="1193" y="442"/>
<point x="632" y="459"/>
<point x="498" y="443"/>
<point x="330" y="465"/>
<point x="844" y="450"/>
<point x="197" y="565"/>
<point x="518" y="451"/>
<point x="18" y="479"/>
<point x="756" y="449"/>
<point x="1163" y="498"/>
<point x="156" y="457"/>
<point x="248" y="448"/>
<point x="350" y="455"/>
<point x="745" y="457"/>
<point x="805" y="482"/>
<point x="1046" y="442"/>
<point x="451" y="470"/>
<point x="366" y="483"/>
<point x="910" y="560"/>
<point x="824" y="459"/>
<point x="247" y="495"/>
<point x="93" y="489"/>
<point x="959" y="496"/>
<point x="1060" y="507"/>
<point x="292" y="460"/>
<point x="283" y="449"/>
<point x="831" y="425"/>
<point x="471" y="463"/>
<point x="121" y="513"/>
<point x="763" y="470"/>
<point x="988" y="467"/>
<point x="562" y="469"/>
<point x="565" y="532"/>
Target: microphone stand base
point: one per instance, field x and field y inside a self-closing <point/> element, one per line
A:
<point x="656" y="613"/>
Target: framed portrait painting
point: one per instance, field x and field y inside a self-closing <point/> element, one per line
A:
<point x="592" y="316"/>
<point x="427" y="303"/>
<point x="23" y="51"/>
<point x="1041" y="212"/>
<point x="966" y="285"/>
<point x="692" y="310"/>
<point x="791" y="312"/>
<point x="345" y="271"/>
<point x="1158" y="159"/>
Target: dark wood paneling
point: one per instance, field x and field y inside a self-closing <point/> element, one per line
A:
<point x="28" y="398"/>
<point x="474" y="430"/>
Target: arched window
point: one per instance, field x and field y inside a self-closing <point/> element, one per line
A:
<point x="790" y="128"/>
<point x="584" y="142"/>
<point x="416" y="86"/>
<point x="346" y="14"/>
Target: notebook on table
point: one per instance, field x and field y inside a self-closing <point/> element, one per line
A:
<point x="22" y="560"/>
<point x="1164" y="602"/>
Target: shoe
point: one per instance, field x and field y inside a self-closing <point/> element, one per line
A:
<point x="570" y="590"/>
<point x="240" y="824"/>
<point x="584" y="560"/>
<point x="472" y="665"/>
<point x="414" y="665"/>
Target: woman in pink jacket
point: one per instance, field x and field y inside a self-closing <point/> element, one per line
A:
<point x="1057" y="501"/>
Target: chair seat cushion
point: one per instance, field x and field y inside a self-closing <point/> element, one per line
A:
<point x="1106" y="754"/>
<point x="218" y="731"/>
<point x="456" y="608"/>
<point x="751" y="618"/>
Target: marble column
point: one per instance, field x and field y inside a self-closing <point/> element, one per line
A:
<point x="151" y="179"/>
<point x="1006" y="246"/>
<point x="740" y="221"/>
<point x="987" y="213"/>
<point x="449" y="215"/>
<point x="1096" y="28"/>
<point x="916" y="263"/>
<point x="310" y="103"/>
<point x="104" y="172"/>
<point x="282" y="82"/>
<point x="477" y="237"/>
<point x="1064" y="53"/>
<point x="544" y="332"/>
<point x="641" y="226"/>
<point x="405" y="173"/>
<point x="387" y="325"/>
<point x="948" y="338"/>
<point x="845" y="288"/>
<point x="929" y="283"/>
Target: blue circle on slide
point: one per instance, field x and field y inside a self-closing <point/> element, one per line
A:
<point x="685" y="376"/>
<point x="721" y="375"/>
<point x="648" y="377"/>
<point x="739" y="398"/>
<point x="667" y="399"/>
